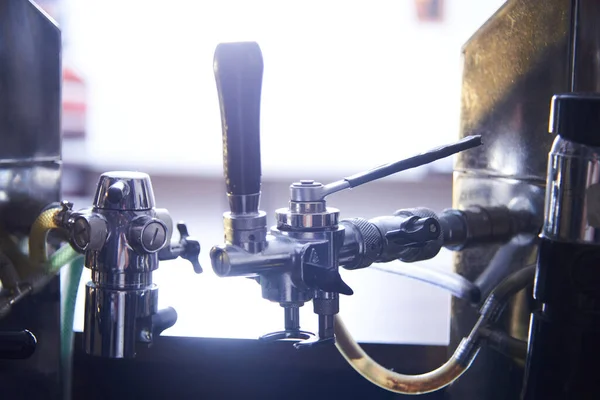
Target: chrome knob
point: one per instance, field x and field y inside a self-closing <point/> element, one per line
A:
<point x="147" y="235"/>
<point x="89" y="232"/>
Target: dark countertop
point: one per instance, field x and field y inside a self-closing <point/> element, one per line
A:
<point x="198" y="368"/>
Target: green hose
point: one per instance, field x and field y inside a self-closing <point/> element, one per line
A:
<point x="61" y="258"/>
<point x="73" y="267"/>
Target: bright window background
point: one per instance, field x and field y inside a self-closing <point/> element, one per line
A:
<point x="348" y="85"/>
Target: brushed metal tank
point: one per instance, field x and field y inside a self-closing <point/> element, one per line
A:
<point x="513" y="65"/>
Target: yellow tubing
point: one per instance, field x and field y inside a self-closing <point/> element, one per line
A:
<point x="45" y="222"/>
<point x="392" y="381"/>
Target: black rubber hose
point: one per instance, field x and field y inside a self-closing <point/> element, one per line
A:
<point x="504" y="343"/>
<point x="502" y="264"/>
<point x="510" y="286"/>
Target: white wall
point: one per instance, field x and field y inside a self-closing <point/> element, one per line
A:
<point x="348" y="84"/>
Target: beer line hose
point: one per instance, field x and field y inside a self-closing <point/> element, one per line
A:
<point x="456" y="365"/>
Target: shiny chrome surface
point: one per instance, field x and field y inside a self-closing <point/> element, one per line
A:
<point x="124" y="190"/>
<point x="573" y="193"/>
<point x="123" y="281"/>
<point x="86" y="225"/>
<point x="248" y="231"/>
<point x="307" y="208"/>
<point x="244" y="203"/>
<point x="300" y="207"/>
<point x="118" y="255"/>
<point x="113" y="319"/>
<point x="310" y="191"/>
<point x="232" y="260"/>
<point x="287" y="219"/>
<point x="512" y="66"/>
<point x="121" y="237"/>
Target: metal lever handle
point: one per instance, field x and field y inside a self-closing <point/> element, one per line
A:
<point x="191" y="247"/>
<point x="414" y="161"/>
<point x="415" y="232"/>
<point x="163" y="320"/>
<point x="238" y="69"/>
<point x="160" y="321"/>
<point x="187" y="248"/>
<point x="17" y="345"/>
<point x="320" y="192"/>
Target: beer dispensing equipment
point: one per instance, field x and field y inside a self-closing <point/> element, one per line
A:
<point x="517" y="213"/>
<point x="298" y="260"/>
<point x="122" y="236"/>
<point x="525" y="215"/>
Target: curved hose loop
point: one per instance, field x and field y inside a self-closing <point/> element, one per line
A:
<point x="45" y="222"/>
<point x="507" y="257"/>
<point x="64" y="256"/>
<point x="495" y="303"/>
<point x="393" y="381"/>
<point x="455" y="366"/>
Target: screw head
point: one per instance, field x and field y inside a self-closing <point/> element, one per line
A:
<point x="432" y="228"/>
<point x="81" y="233"/>
<point x="154" y="235"/>
<point x="307" y="181"/>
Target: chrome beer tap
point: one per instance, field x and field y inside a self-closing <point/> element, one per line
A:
<point x="123" y="237"/>
<point x="298" y="260"/>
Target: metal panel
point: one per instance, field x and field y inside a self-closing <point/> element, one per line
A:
<point x="30" y="170"/>
<point x="512" y="67"/>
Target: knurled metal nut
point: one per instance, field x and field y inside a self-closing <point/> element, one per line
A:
<point x="326" y="306"/>
<point x="372" y="240"/>
<point x="304" y="221"/>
